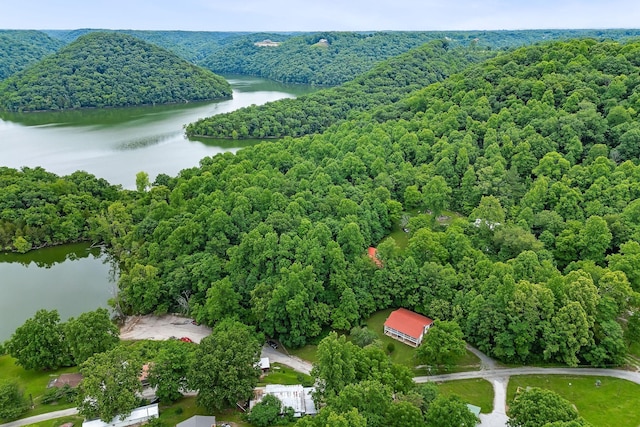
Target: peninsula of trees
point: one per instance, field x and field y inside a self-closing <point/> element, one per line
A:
<point x="388" y="82"/>
<point x="109" y="70"/>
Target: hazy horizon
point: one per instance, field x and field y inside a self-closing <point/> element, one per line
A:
<point x="330" y="15"/>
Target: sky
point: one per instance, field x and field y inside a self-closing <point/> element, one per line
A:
<point x="306" y="15"/>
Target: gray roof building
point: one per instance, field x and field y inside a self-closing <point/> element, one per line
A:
<point x="198" y="421"/>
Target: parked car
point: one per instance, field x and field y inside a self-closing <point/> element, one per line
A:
<point x="186" y="339"/>
<point x="272" y="344"/>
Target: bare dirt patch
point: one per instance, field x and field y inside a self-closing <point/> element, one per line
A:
<point x="160" y="328"/>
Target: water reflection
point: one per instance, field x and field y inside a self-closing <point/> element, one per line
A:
<point x="48" y="257"/>
<point x="72" y="279"/>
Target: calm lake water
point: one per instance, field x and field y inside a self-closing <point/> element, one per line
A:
<point x="114" y="144"/>
<point x="69" y="278"/>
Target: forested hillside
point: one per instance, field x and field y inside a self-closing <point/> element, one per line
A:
<point x="387" y="83"/>
<point x="194" y="46"/>
<point x="517" y="181"/>
<point x="19" y="49"/>
<point x="109" y="70"/>
<point x="301" y="59"/>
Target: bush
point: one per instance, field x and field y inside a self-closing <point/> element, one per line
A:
<point x="362" y="336"/>
<point x="12" y="401"/>
<point x="65" y="394"/>
<point x="391" y="347"/>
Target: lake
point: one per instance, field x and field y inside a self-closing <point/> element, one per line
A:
<point x="114" y="144"/>
<point x="70" y="278"/>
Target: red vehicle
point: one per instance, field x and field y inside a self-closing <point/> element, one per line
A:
<point x="186" y="339"/>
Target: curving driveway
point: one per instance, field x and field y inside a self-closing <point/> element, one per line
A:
<point x="499" y="379"/>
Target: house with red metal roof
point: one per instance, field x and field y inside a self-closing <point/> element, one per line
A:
<point x="373" y="254"/>
<point x="407" y="327"/>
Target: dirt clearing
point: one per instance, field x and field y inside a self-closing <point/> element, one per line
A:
<point x="160" y="328"/>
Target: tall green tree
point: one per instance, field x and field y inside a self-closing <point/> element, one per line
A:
<point x="225" y="366"/>
<point x="536" y="407"/>
<point x="170" y="369"/>
<point x="335" y="366"/>
<point x="40" y="342"/>
<point x="92" y="332"/>
<point x="110" y="385"/>
<point x="442" y="345"/>
<point x="450" y="411"/>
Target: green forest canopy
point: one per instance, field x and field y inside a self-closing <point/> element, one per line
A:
<point x="109" y="70"/>
<point x="537" y="152"/>
<point x="301" y="59"/>
<point x="21" y="48"/>
<point x="388" y="82"/>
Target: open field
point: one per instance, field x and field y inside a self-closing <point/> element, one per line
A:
<point x="478" y="392"/>
<point x="613" y="404"/>
<point x="33" y="383"/>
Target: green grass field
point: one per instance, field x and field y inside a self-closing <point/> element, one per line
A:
<point x="478" y="392"/>
<point x="613" y="404"/>
<point x="308" y="353"/>
<point x="402" y="354"/>
<point x="281" y="374"/>
<point x="185" y="408"/>
<point x="76" y="420"/>
<point x="33" y="383"/>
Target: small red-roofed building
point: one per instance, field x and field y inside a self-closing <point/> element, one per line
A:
<point x="373" y="254"/>
<point x="407" y="327"/>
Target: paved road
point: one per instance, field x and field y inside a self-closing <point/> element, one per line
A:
<point x="41" y="417"/>
<point x="507" y="372"/>
<point x="499" y="379"/>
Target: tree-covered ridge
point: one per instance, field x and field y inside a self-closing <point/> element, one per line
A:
<point x="21" y="48"/>
<point x="109" y="70"/>
<point x="194" y="46"/>
<point x="299" y="59"/>
<point x="385" y="84"/>
<point x="38" y="208"/>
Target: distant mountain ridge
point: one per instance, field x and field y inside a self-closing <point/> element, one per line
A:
<point x="109" y="70"/>
<point x="21" y="48"/>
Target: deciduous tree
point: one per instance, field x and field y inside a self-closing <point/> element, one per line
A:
<point x="40" y="343"/>
<point x="110" y="384"/>
<point x="442" y="345"/>
<point x="225" y="366"/>
<point x="92" y="332"/>
<point x="536" y="407"/>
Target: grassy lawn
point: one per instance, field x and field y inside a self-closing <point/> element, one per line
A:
<point x="186" y="408"/>
<point x="614" y="403"/>
<point x="403" y="354"/>
<point x="281" y="374"/>
<point x="308" y="353"/>
<point x="33" y="383"/>
<point x="75" y="419"/>
<point x="468" y="362"/>
<point x="478" y="392"/>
